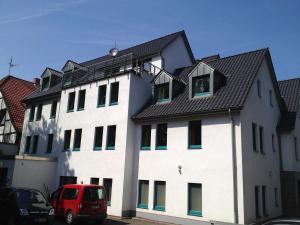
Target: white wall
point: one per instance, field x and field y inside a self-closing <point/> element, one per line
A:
<point x="259" y="169"/>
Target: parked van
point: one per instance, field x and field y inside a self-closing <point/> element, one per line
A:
<point x="78" y="201"/>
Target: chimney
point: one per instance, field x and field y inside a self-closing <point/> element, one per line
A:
<point x="36" y="82"/>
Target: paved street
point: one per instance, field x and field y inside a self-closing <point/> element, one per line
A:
<point x="117" y="221"/>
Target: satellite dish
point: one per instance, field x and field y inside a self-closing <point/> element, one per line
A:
<point x="113" y="52"/>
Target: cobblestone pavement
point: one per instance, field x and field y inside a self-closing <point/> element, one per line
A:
<point x="118" y="221"/>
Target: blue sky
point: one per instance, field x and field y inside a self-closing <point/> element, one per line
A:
<point x="49" y="32"/>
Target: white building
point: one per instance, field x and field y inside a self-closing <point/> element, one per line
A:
<point x="171" y="138"/>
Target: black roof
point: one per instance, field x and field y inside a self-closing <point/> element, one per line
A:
<point x="239" y="70"/>
<point x="290" y="92"/>
<point x="143" y="51"/>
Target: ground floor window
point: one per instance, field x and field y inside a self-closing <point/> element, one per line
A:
<point x="49" y="143"/>
<point x="35" y="144"/>
<point x="276" y="197"/>
<point x="264" y="196"/>
<point x="107" y="183"/>
<point x="256" y="189"/>
<point x="27" y="144"/>
<point x="94" y="180"/>
<point x="159" y="195"/>
<point x="194" y="199"/>
<point x="143" y="194"/>
<point x="67" y="180"/>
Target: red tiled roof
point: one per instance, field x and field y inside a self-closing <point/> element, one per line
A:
<point x="13" y="91"/>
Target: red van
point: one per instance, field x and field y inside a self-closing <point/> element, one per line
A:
<point x="79" y="201"/>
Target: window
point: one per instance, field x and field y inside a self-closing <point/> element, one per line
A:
<point x="71" y="102"/>
<point x="264" y="195"/>
<point x="81" y="100"/>
<point x="67" y="140"/>
<point x="143" y="194"/>
<point x="101" y="96"/>
<point x="194" y="199"/>
<point x="254" y="130"/>
<point x="39" y="112"/>
<point x="146" y="137"/>
<point x="98" y="138"/>
<point x="2" y="116"/>
<point x="35" y="144"/>
<point x="159" y="195"/>
<point x="276" y="197"/>
<point x="53" y="110"/>
<point x="200" y="85"/>
<point x="70" y="194"/>
<point x="77" y="140"/>
<point x="258" y="88"/>
<point x="161" y="136"/>
<point x="114" y="93"/>
<point x="27" y="144"/>
<point x="195" y="134"/>
<point x="162" y="92"/>
<point x="271" y="97"/>
<point x="273" y="143"/>
<point x="296" y="149"/>
<point x="45" y="83"/>
<point x="32" y="112"/>
<point x="111" y="137"/>
<point x="261" y="140"/>
<point x="107" y="183"/>
<point x="67" y="180"/>
<point x="49" y="143"/>
<point x="257" y="202"/>
<point x="94" y="180"/>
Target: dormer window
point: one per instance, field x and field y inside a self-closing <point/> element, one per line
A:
<point x="45" y="83"/>
<point x="50" y="78"/>
<point x="201" y="85"/>
<point x="162" y="92"/>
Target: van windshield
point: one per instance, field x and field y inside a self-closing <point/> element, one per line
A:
<point x="70" y="194"/>
<point x="93" y="194"/>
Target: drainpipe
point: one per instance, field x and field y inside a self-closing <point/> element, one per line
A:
<point x="234" y="167"/>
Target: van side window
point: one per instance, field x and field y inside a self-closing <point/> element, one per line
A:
<point x="93" y="194"/>
<point x="70" y="194"/>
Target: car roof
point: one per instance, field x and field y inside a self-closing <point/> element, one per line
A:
<point x="79" y="185"/>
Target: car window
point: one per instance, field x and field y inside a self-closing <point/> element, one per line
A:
<point x="70" y="193"/>
<point x="30" y="196"/>
<point x="93" y="194"/>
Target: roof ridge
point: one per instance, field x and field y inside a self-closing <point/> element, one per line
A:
<point x="11" y="76"/>
<point x="296" y="78"/>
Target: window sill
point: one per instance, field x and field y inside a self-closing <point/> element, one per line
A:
<point x="80" y="109"/>
<point x="52" y="117"/>
<point x="194" y="147"/>
<point x="201" y="94"/>
<point x="110" y="148"/>
<point x="113" y="103"/>
<point x="164" y="100"/>
<point x="76" y="149"/>
<point x="195" y="213"/>
<point x="101" y="106"/>
<point x="97" y="148"/>
<point x="142" y="206"/>
<point x="71" y="110"/>
<point x="30" y="120"/>
<point x="38" y="119"/>
<point x="159" y="208"/>
<point x="161" y="148"/>
<point x="145" y="148"/>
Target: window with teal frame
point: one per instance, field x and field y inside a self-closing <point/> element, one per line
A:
<point x="161" y="136"/>
<point x="107" y="183"/>
<point x="81" y="100"/>
<point x="49" y="143"/>
<point x="27" y="145"/>
<point x="146" y="137"/>
<point x="143" y="194"/>
<point x="71" y="102"/>
<point x="77" y="140"/>
<point x="114" y="93"/>
<point x="35" y="144"/>
<point x="162" y="92"/>
<point x="101" y="96"/>
<point x="111" y="137"/>
<point x="67" y="140"/>
<point x="159" y="196"/>
<point x="194" y="199"/>
<point x="195" y="133"/>
<point x="39" y="112"/>
<point x="32" y="112"/>
<point x="53" y="110"/>
<point x="200" y="85"/>
<point x="98" y="138"/>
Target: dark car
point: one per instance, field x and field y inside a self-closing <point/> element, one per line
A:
<point x="284" y="221"/>
<point x="22" y="205"/>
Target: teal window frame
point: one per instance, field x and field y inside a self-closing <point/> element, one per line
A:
<point x="140" y="204"/>
<point x="27" y="145"/>
<point x="81" y="100"/>
<point x="77" y="139"/>
<point x="101" y="94"/>
<point x="114" y="87"/>
<point x="107" y="183"/>
<point x="194" y="79"/>
<point x="158" y="145"/>
<point x="31" y="113"/>
<point x="67" y="135"/>
<point x="193" y="212"/>
<point x="161" y="99"/>
<point x="49" y="143"/>
<point x="39" y="112"/>
<point x="145" y="146"/>
<point x="98" y="129"/>
<point x="35" y="144"/>
<point x="71" y="96"/>
<point x="53" y="109"/>
<point x="158" y="207"/>
<point x="192" y="146"/>
<point x="111" y="128"/>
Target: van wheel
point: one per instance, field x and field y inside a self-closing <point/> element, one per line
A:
<point x="69" y="218"/>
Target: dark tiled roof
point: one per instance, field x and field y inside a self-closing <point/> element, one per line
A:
<point x="37" y="94"/>
<point x="240" y="71"/>
<point x="290" y="92"/>
<point x="14" y="90"/>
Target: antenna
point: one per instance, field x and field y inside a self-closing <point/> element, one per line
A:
<point x="11" y="65"/>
